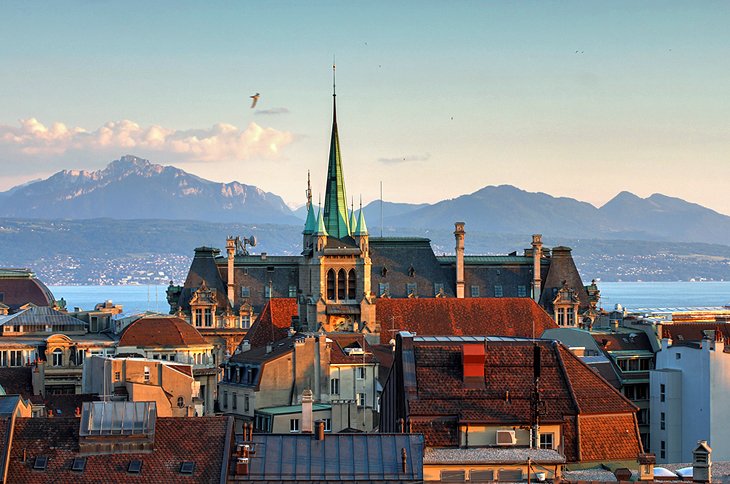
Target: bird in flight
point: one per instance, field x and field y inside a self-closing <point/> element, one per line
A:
<point x="255" y="98"/>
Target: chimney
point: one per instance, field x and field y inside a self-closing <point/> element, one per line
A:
<point x="473" y="357"/>
<point x="319" y="426"/>
<point x="459" y="235"/>
<point x="536" y="258"/>
<point x="231" y="250"/>
<point x="242" y="466"/>
<point x="307" y="411"/>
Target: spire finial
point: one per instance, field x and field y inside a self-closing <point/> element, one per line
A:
<point x="334" y="84"/>
<point x="309" y="190"/>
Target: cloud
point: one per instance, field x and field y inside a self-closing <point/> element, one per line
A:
<point x="404" y="159"/>
<point x="272" y="111"/>
<point x="33" y="140"/>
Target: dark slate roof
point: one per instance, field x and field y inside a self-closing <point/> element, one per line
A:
<point x="397" y="256"/>
<point x="42" y="315"/>
<point x="203" y="268"/>
<point x="273" y="323"/>
<point x="695" y="331"/>
<point x="20" y="286"/>
<point x="623" y="341"/>
<point x="8" y="404"/>
<point x="470" y="316"/>
<point x="198" y="439"/>
<point x="17" y="381"/>
<point x="156" y="331"/>
<point x="562" y="268"/>
<point x="340" y="341"/>
<point x="338" y="458"/>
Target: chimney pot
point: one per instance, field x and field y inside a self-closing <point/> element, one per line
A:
<point x="404" y="459"/>
<point x="319" y="433"/>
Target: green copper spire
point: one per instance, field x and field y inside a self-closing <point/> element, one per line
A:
<point x="353" y="220"/>
<point x="335" y="199"/>
<point x="361" y="229"/>
<point x="321" y="229"/>
<point x="310" y="225"/>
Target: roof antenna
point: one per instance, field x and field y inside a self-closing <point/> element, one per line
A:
<point x="334" y="91"/>
<point x="309" y="191"/>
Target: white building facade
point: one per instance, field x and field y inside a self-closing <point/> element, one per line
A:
<point x="690" y="390"/>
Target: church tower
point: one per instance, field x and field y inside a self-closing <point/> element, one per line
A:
<point x="334" y="278"/>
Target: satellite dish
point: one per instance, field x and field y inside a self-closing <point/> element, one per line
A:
<point x="252" y="241"/>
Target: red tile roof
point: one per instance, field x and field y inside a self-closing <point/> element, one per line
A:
<point x="508" y="316"/>
<point x="567" y="385"/>
<point x="340" y="341"/>
<point x="157" y="331"/>
<point x="17" y="381"/>
<point x="623" y="341"/>
<point x="617" y="436"/>
<point x="198" y="439"/>
<point x="695" y="331"/>
<point x="273" y="323"/>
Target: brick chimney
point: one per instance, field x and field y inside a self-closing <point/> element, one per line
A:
<point x="231" y="250"/>
<point x="459" y="235"/>
<point x="473" y="357"/>
<point x="307" y="422"/>
<point x="536" y="258"/>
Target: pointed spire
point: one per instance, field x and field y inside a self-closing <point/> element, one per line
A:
<point x="353" y="220"/>
<point x="310" y="225"/>
<point x="361" y="229"/>
<point x="335" y="198"/>
<point x="321" y="229"/>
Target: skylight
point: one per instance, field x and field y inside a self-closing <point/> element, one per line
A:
<point x="187" y="467"/>
<point x="79" y="464"/>
<point x="40" y="462"/>
<point x="135" y="467"/>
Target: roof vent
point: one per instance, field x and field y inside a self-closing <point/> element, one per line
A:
<point x="506" y="437"/>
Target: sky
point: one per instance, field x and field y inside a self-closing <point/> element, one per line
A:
<point x="434" y="99"/>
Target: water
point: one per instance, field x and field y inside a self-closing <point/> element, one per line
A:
<point x="628" y="294"/>
<point x="134" y="299"/>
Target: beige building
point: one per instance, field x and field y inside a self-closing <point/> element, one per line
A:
<point x="170" y="385"/>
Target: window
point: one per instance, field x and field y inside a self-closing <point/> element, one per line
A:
<point x="351" y="284"/>
<point x="146" y="374"/>
<point x="481" y="475"/>
<point x="678" y="356"/>
<point x="360" y="372"/>
<point x="521" y="291"/>
<point x="164" y="357"/>
<point x="331" y="284"/>
<point x="180" y="402"/>
<point x="662" y="392"/>
<point x="327" y="424"/>
<point x="225" y="399"/>
<point x="335" y="386"/>
<point x="16" y="358"/>
<point x="498" y="291"/>
<point x="453" y="476"/>
<point x="245" y="291"/>
<point x="117" y="375"/>
<point x="208" y="317"/>
<point x="438" y="288"/>
<point x="546" y="441"/>
<point x="474" y="291"/>
<point x="267" y="290"/>
<point x="293" y="425"/>
<point x="245" y="321"/>
<point x="292" y="291"/>
<point x="663" y="450"/>
<point x="135" y="467"/>
<point x="3" y="358"/>
<point x="341" y="284"/>
<point x="383" y="289"/>
<point x="411" y="289"/>
<point x="571" y="317"/>
<point x="57" y="357"/>
<point x="79" y="464"/>
<point x="172" y="357"/>
<point x="198" y="317"/>
<point x="155" y="356"/>
<point x="561" y="316"/>
<point x="40" y="462"/>
<point x="246" y="402"/>
<point x="234" y="406"/>
<point x="80" y="357"/>
<point x="360" y="399"/>
<point x="662" y="421"/>
<point x="187" y="467"/>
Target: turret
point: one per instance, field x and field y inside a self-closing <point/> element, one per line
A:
<point x="320" y="233"/>
<point x="360" y="232"/>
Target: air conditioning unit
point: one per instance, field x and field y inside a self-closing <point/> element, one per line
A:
<point x="506" y="437"/>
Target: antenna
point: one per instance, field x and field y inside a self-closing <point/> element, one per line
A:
<point x="309" y="191"/>
<point x="334" y="91"/>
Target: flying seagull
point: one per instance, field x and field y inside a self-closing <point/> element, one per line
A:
<point x="255" y="98"/>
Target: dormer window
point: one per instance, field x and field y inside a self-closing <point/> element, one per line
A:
<point x="57" y="357"/>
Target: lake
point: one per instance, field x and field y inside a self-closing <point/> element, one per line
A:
<point x="629" y="294"/>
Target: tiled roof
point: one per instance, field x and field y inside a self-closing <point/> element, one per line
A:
<point x="273" y="323"/>
<point x="259" y="355"/>
<point x="360" y="457"/>
<point x="616" y="436"/>
<point x="567" y="385"/>
<point x="17" y="381"/>
<point x="340" y="341"/>
<point x="65" y="405"/>
<point x="623" y="341"/>
<point x="24" y="289"/>
<point x="198" y="439"/>
<point x="4" y="444"/>
<point x="695" y="331"/>
<point x="470" y="316"/>
<point x="156" y="331"/>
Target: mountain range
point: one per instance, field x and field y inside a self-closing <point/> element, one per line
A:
<point x="133" y="188"/>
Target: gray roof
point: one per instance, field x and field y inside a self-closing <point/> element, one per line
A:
<point x="491" y="455"/>
<point x="41" y="315"/>
<point x="339" y="457"/>
<point x="8" y="404"/>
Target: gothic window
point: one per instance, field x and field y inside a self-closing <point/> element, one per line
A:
<point x="341" y="284"/>
<point x="351" y="284"/>
<point x="330" y="284"/>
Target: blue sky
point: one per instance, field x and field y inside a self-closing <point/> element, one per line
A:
<point x="436" y="99"/>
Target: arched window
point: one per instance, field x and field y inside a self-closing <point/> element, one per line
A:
<point x="341" y="284"/>
<point x="57" y="357"/>
<point x="331" y="284"/>
<point x="180" y="402"/>
<point x="351" y="284"/>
